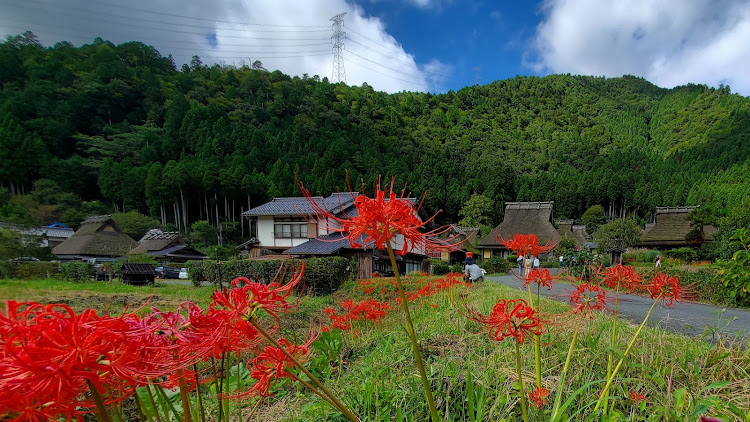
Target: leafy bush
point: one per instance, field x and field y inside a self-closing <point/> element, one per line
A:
<point x="440" y="267"/>
<point x="497" y="264"/>
<point x="322" y="275"/>
<point x="32" y="270"/>
<point x="708" y="287"/>
<point x="76" y="271"/>
<point x="735" y="273"/>
<point x="512" y="259"/>
<point x="7" y="270"/>
<point x="456" y="268"/>
<point x="141" y="258"/>
<point x="550" y="263"/>
<point x="683" y="254"/>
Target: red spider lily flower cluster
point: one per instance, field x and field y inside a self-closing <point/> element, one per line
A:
<point x="511" y="318"/>
<point x="636" y="397"/>
<point x="540" y="277"/>
<point x="666" y="288"/>
<point x="621" y="276"/>
<point x="51" y="358"/>
<point x="527" y="244"/>
<point x="373" y="310"/>
<point x="385" y="217"/>
<point x="370" y="310"/>
<point x="587" y="298"/>
<point x="272" y="365"/>
<point x="539" y="397"/>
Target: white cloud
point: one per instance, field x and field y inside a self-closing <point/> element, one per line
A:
<point x="288" y="35"/>
<point x="669" y="43"/>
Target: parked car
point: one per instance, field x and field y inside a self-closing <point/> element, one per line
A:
<point x="183" y="274"/>
<point x="167" y="272"/>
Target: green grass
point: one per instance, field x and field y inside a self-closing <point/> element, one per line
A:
<point x="381" y="376"/>
<point x="470" y="374"/>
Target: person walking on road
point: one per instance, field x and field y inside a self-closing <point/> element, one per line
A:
<point x="536" y="262"/>
<point x="658" y="261"/>
<point x="520" y="264"/>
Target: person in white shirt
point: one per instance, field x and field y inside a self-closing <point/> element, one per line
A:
<point x="536" y="262"/>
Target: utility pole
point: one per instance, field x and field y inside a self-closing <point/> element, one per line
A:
<point x="338" y="72"/>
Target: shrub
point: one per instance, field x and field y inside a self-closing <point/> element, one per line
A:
<point x="7" y="270"/>
<point x="513" y="259"/>
<point x="76" y="271"/>
<point x="550" y="263"/>
<point x="683" y="254"/>
<point x="456" y="268"/>
<point x="32" y="270"/>
<point x="440" y="267"/>
<point x="497" y="264"/>
<point x="322" y="275"/>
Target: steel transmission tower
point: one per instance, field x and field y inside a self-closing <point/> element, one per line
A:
<point x="338" y="72"/>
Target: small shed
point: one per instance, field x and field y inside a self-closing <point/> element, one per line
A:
<point x="137" y="273"/>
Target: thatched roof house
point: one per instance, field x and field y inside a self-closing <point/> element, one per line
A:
<point x="576" y="232"/>
<point x="167" y="247"/>
<point x="98" y="237"/>
<point x="672" y="228"/>
<point x="521" y="218"/>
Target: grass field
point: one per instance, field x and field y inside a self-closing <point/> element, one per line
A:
<point x="472" y="377"/>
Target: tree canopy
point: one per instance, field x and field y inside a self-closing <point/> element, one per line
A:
<point x="121" y="125"/>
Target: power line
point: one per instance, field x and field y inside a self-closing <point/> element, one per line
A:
<point x="383" y="66"/>
<point x="376" y="42"/>
<point x="384" y="74"/>
<point x="209" y="19"/>
<point x="406" y="63"/>
<point x="135" y="25"/>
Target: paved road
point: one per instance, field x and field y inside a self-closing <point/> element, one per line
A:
<point x="685" y="318"/>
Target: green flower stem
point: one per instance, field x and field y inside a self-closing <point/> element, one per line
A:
<point x="537" y="341"/>
<point x="521" y="390"/>
<point x="558" y="394"/>
<point x="102" y="412"/>
<point x="622" y="359"/>
<point x="184" y="397"/>
<point x="413" y="336"/>
<point x="337" y="404"/>
<point x="142" y="415"/>
<point x="153" y="403"/>
<point x="199" y="398"/>
<point x="610" y="353"/>
<point x="239" y="386"/>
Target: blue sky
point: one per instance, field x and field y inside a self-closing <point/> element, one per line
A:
<point x="421" y="45"/>
<point x="482" y="41"/>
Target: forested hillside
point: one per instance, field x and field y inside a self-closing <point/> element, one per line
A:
<point x="123" y="126"/>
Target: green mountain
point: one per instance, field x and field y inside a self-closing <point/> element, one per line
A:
<point x="120" y="124"/>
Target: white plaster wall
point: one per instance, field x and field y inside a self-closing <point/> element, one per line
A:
<point x="265" y="230"/>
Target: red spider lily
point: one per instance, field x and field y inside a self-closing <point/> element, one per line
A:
<point x="587" y="298"/>
<point x="538" y="397"/>
<point x="272" y="365"/>
<point x="666" y="288"/>
<point x="621" y="276"/>
<point x="540" y="277"/>
<point x="243" y="301"/>
<point x="48" y="355"/>
<point x="527" y="244"/>
<point x="512" y="318"/>
<point x="636" y="397"/>
<point x="385" y="217"/>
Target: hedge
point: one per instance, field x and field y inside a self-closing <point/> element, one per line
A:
<point x="76" y="271"/>
<point x="322" y="275"/>
<point x="497" y="264"/>
<point x="32" y="270"/>
<point x="7" y="269"/>
<point x="440" y="267"/>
